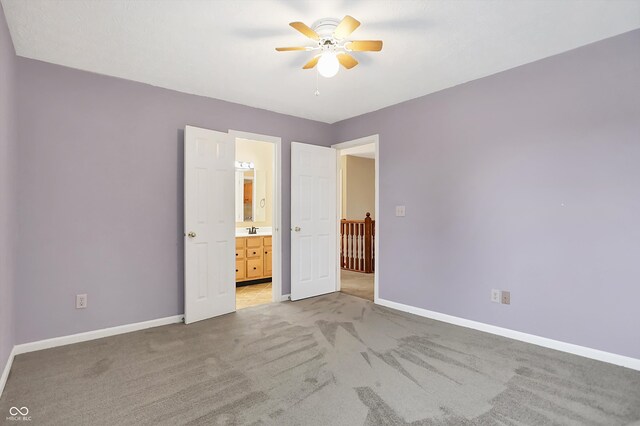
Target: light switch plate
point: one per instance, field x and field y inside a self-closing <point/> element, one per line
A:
<point x="506" y="297"/>
<point x="496" y="295"/>
<point x="400" y="211"/>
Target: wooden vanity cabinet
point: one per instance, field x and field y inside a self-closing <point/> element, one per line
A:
<point x="253" y="258"/>
<point x="268" y="257"/>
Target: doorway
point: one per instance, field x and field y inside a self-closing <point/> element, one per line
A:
<point x="210" y="229"/>
<point x="257" y="218"/>
<point x="358" y="201"/>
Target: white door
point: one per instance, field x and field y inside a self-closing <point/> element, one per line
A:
<point x="209" y="218"/>
<point x="313" y="220"/>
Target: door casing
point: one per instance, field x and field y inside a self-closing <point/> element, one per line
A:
<point x="276" y="226"/>
<point x="373" y="139"/>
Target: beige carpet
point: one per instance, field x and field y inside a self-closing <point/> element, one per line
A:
<point x="330" y="360"/>
<point x="357" y="284"/>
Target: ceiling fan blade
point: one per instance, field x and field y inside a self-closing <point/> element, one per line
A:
<point x="346" y="27"/>
<point x="365" y="45"/>
<point x="312" y="63"/>
<point x="288" y="49"/>
<point x="304" y="29"/>
<point x="347" y="60"/>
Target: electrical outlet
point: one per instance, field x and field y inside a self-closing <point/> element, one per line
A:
<point x="400" y="211"/>
<point x="506" y="297"/>
<point x="495" y="295"/>
<point x="81" y="301"/>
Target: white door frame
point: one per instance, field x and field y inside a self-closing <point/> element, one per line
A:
<point x="373" y="139"/>
<point x="276" y="226"/>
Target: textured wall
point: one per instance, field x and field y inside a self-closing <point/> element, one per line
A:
<point x="528" y="181"/>
<point x="101" y="190"/>
<point x="8" y="157"/>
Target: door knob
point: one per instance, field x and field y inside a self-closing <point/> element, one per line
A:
<point x="297" y="229"/>
<point x="191" y="234"/>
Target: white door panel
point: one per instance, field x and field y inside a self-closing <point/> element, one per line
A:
<point x="209" y="224"/>
<point x="313" y="223"/>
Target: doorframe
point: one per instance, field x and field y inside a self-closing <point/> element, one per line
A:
<point x="373" y="139"/>
<point x="276" y="225"/>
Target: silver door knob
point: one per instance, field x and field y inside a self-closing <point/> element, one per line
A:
<point x="191" y="234"/>
<point x="297" y="229"/>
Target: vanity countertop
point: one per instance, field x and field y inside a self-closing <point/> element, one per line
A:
<point x="264" y="231"/>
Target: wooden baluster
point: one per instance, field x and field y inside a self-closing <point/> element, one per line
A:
<point x="350" y="258"/>
<point x="354" y="246"/>
<point x="356" y="259"/>
<point x="349" y="246"/>
<point x="362" y="252"/>
<point x="345" y="263"/>
<point x="373" y="246"/>
<point x="358" y="238"/>
<point x="341" y="242"/>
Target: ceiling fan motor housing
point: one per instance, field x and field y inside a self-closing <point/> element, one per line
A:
<point x="325" y="27"/>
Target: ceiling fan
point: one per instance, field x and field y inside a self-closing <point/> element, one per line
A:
<point x="330" y="35"/>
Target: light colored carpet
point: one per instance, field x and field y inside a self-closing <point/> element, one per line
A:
<point x="330" y="360"/>
<point x="357" y="284"/>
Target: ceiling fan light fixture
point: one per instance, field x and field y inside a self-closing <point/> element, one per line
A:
<point x="328" y="65"/>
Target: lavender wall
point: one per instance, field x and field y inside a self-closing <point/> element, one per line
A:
<point x="525" y="181"/>
<point x="101" y="190"/>
<point x="8" y="156"/>
<point x="528" y="181"/>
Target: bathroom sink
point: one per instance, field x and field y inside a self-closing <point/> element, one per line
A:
<point x="243" y="232"/>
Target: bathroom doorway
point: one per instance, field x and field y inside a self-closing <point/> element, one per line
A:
<point x="358" y="201"/>
<point x="257" y="210"/>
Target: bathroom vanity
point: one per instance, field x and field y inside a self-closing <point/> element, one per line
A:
<point x="253" y="245"/>
<point x="253" y="257"/>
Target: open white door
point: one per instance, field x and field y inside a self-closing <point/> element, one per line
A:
<point x="313" y="220"/>
<point x="209" y="213"/>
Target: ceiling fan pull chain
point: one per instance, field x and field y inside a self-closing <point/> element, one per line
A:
<point x="317" y="93"/>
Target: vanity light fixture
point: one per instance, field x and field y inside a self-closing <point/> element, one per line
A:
<point x="244" y="165"/>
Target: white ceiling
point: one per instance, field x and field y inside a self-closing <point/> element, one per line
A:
<point x="225" y="49"/>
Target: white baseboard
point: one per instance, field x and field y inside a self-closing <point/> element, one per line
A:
<point x="7" y="368"/>
<point x="285" y="297"/>
<point x="596" y="354"/>
<point x="95" y="334"/>
<point x="81" y="337"/>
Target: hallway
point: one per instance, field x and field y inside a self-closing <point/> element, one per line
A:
<point x="357" y="284"/>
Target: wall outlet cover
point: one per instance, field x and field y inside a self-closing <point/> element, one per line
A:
<point x="506" y="297"/>
<point x="81" y="301"/>
<point x="496" y="295"/>
<point x="400" y="211"/>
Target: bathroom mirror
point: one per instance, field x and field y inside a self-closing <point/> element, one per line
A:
<point x="250" y="193"/>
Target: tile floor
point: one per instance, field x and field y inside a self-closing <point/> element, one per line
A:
<point x="252" y="295"/>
